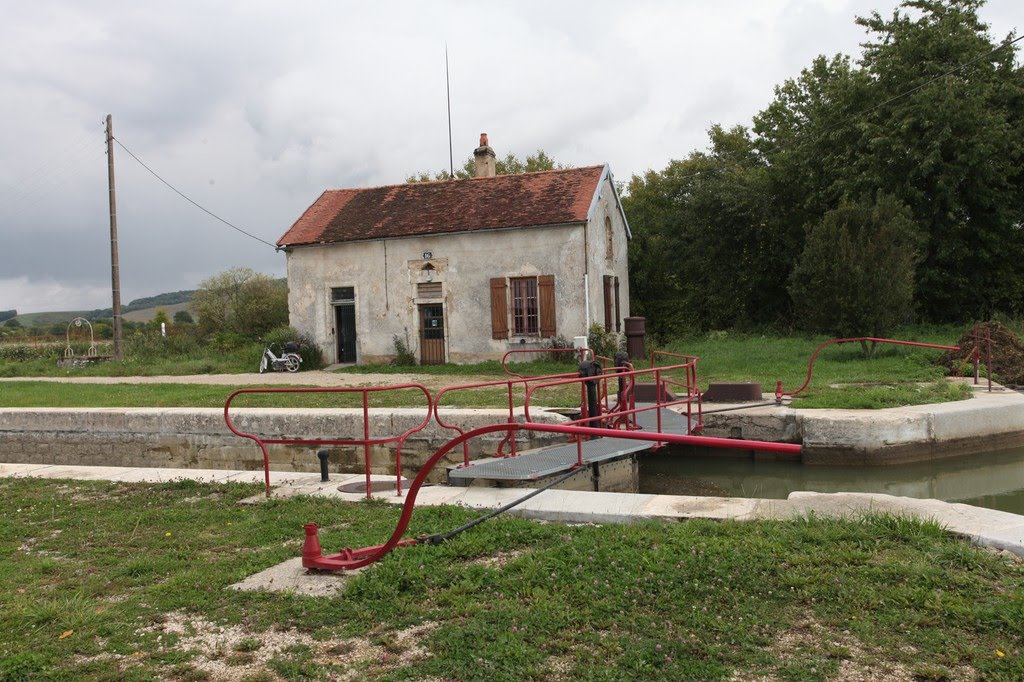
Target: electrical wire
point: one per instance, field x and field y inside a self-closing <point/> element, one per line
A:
<point x="189" y="200"/>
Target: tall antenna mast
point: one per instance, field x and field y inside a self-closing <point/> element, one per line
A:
<point x="448" y="90"/>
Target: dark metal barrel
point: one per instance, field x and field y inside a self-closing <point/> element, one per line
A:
<point x="635" y="332"/>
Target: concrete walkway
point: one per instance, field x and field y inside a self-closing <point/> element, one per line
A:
<point x="984" y="527"/>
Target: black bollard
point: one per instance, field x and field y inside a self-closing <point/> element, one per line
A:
<point x="591" y="368"/>
<point x="621" y="360"/>
<point x="323" y="455"/>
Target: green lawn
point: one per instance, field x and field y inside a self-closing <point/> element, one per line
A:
<point x="127" y="581"/>
<point x="894" y="375"/>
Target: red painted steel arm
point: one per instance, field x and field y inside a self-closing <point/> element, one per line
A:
<point x="810" y="367"/>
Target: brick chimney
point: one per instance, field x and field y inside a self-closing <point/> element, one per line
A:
<point x="485" y="159"/>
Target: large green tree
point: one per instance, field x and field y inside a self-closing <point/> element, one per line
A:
<point x="241" y="301"/>
<point x="931" y="114"/>
<point x="948" y="145"/>
<point x="855" y="276"/>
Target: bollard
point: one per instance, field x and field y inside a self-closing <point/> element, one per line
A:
<point x="323" y="455"/>
<point x="591" y="368"/>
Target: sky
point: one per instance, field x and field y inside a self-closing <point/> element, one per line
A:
<point x="252" y="109"/>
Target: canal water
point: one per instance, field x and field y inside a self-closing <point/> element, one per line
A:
<point x="994" y="480"/>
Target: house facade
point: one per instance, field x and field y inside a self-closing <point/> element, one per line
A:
<point x="460" y="270"/>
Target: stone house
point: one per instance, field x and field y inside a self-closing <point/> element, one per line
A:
<point x="459" y="270"/>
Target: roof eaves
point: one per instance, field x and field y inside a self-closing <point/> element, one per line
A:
<point x="439" y="234"/>
<point x="606" y="174"/>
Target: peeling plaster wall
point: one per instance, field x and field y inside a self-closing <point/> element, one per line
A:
<point x="601" y="262"/>
<point x="385" y="275"/>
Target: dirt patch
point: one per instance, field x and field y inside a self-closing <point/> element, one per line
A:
<point x="858" y="663"/>
<point x="232" y="652"/>
<point x="1007" y="354"/>
<point x="499" y="560"/>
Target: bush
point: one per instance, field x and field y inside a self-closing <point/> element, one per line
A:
<point x="604" y="343"/>
<point x="309" y="350"/>
<point x="183" y="317"/>
<point x="242" y="301"/>
<point x="568" y="353"/>
<point x="855" y="276"/>
<point x="404" y="357"/>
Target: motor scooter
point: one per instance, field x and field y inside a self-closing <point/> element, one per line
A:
<point x="289" y="360"/>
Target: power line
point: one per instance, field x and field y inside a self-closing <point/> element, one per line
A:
<point x="189" y="200"/>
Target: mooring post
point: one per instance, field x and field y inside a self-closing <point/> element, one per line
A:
<point x="323" y="455"/>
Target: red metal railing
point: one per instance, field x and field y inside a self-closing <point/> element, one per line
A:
<point x="350" y="559"/>
<point x="366" y="441"/>
<point x="625" y="416"/>
<point x="690" y="385"/>
<point x="518" y="351"/>
<point x="779" y="393"/>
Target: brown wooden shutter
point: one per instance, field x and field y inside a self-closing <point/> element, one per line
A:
<point x="546" y="295"/>
<point x="499" y="308"/>
<point x="618" y="311"/>
<point x="607" y="303"/>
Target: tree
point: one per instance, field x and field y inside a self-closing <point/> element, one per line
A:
<point x="946" y="141"/>
<point x="509" y="165"/>
<point x="160" y="317"/>
<point x="242" y="301"/>
<point x="704" y="252"/>
<point x="855" y="276"/>
<point x="13" y="323"/>
<point x="183" y="317"/>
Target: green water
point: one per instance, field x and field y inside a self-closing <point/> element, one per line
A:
<point x="994" y="480"/>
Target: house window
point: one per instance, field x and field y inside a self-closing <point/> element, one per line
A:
<point x="525" y="315"/>
<point x="528" y="302"/>
<point x="609" y="240"/>
<point x="343" y="294"/>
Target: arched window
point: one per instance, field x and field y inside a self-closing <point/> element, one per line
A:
<point x="609" y="240"/>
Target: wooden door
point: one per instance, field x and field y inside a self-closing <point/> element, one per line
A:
<point x="432" y="334"/>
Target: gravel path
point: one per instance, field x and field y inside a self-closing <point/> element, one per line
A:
<point x="310" y="378"/>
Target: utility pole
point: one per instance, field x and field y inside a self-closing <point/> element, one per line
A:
<point x="115" y="273"/>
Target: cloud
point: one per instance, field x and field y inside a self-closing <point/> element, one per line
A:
<point x="252" y="108"/>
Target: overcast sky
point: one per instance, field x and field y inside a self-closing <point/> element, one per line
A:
<point x="254" y="108"/>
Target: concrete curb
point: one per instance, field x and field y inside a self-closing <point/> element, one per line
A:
<point x="984" y="527"/>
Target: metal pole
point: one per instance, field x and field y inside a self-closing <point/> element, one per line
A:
<point x="115" y="273"/>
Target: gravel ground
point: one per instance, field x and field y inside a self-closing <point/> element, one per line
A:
<point x="310" y="378"/>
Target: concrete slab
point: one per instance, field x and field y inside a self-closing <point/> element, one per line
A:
<point x="291" y="578"/>
<point x="985" y="527"/>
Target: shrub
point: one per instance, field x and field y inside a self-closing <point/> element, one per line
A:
<point x="855" y="276"/>
<point x="404" y="357"/>
<point x="604" y="343"/>
<point x="568" y="353"/>
<point x="309" y="350"/>
<point x="242" y="301"/>
<point x="183" y="317"/>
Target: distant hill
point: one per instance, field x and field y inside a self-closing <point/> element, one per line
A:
<point x="142" y="310"/>
<point x="158" y="301"/>
<point x="147" y="314"/>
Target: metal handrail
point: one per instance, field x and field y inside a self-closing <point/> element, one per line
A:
<point x="350" y="559"/>
<point x="365" y="441"/>
<point x="587" y="419"/>
<point x="779" y="393"/>
<point x="504" y="360"/>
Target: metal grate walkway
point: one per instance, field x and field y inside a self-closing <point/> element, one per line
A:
<point x="555" y="459"/>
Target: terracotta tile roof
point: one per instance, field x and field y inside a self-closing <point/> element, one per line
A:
<point x="422" y="208"/>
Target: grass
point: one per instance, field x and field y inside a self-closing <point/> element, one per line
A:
<point x="724" y="356"/>
<point x="114" y="580"/>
